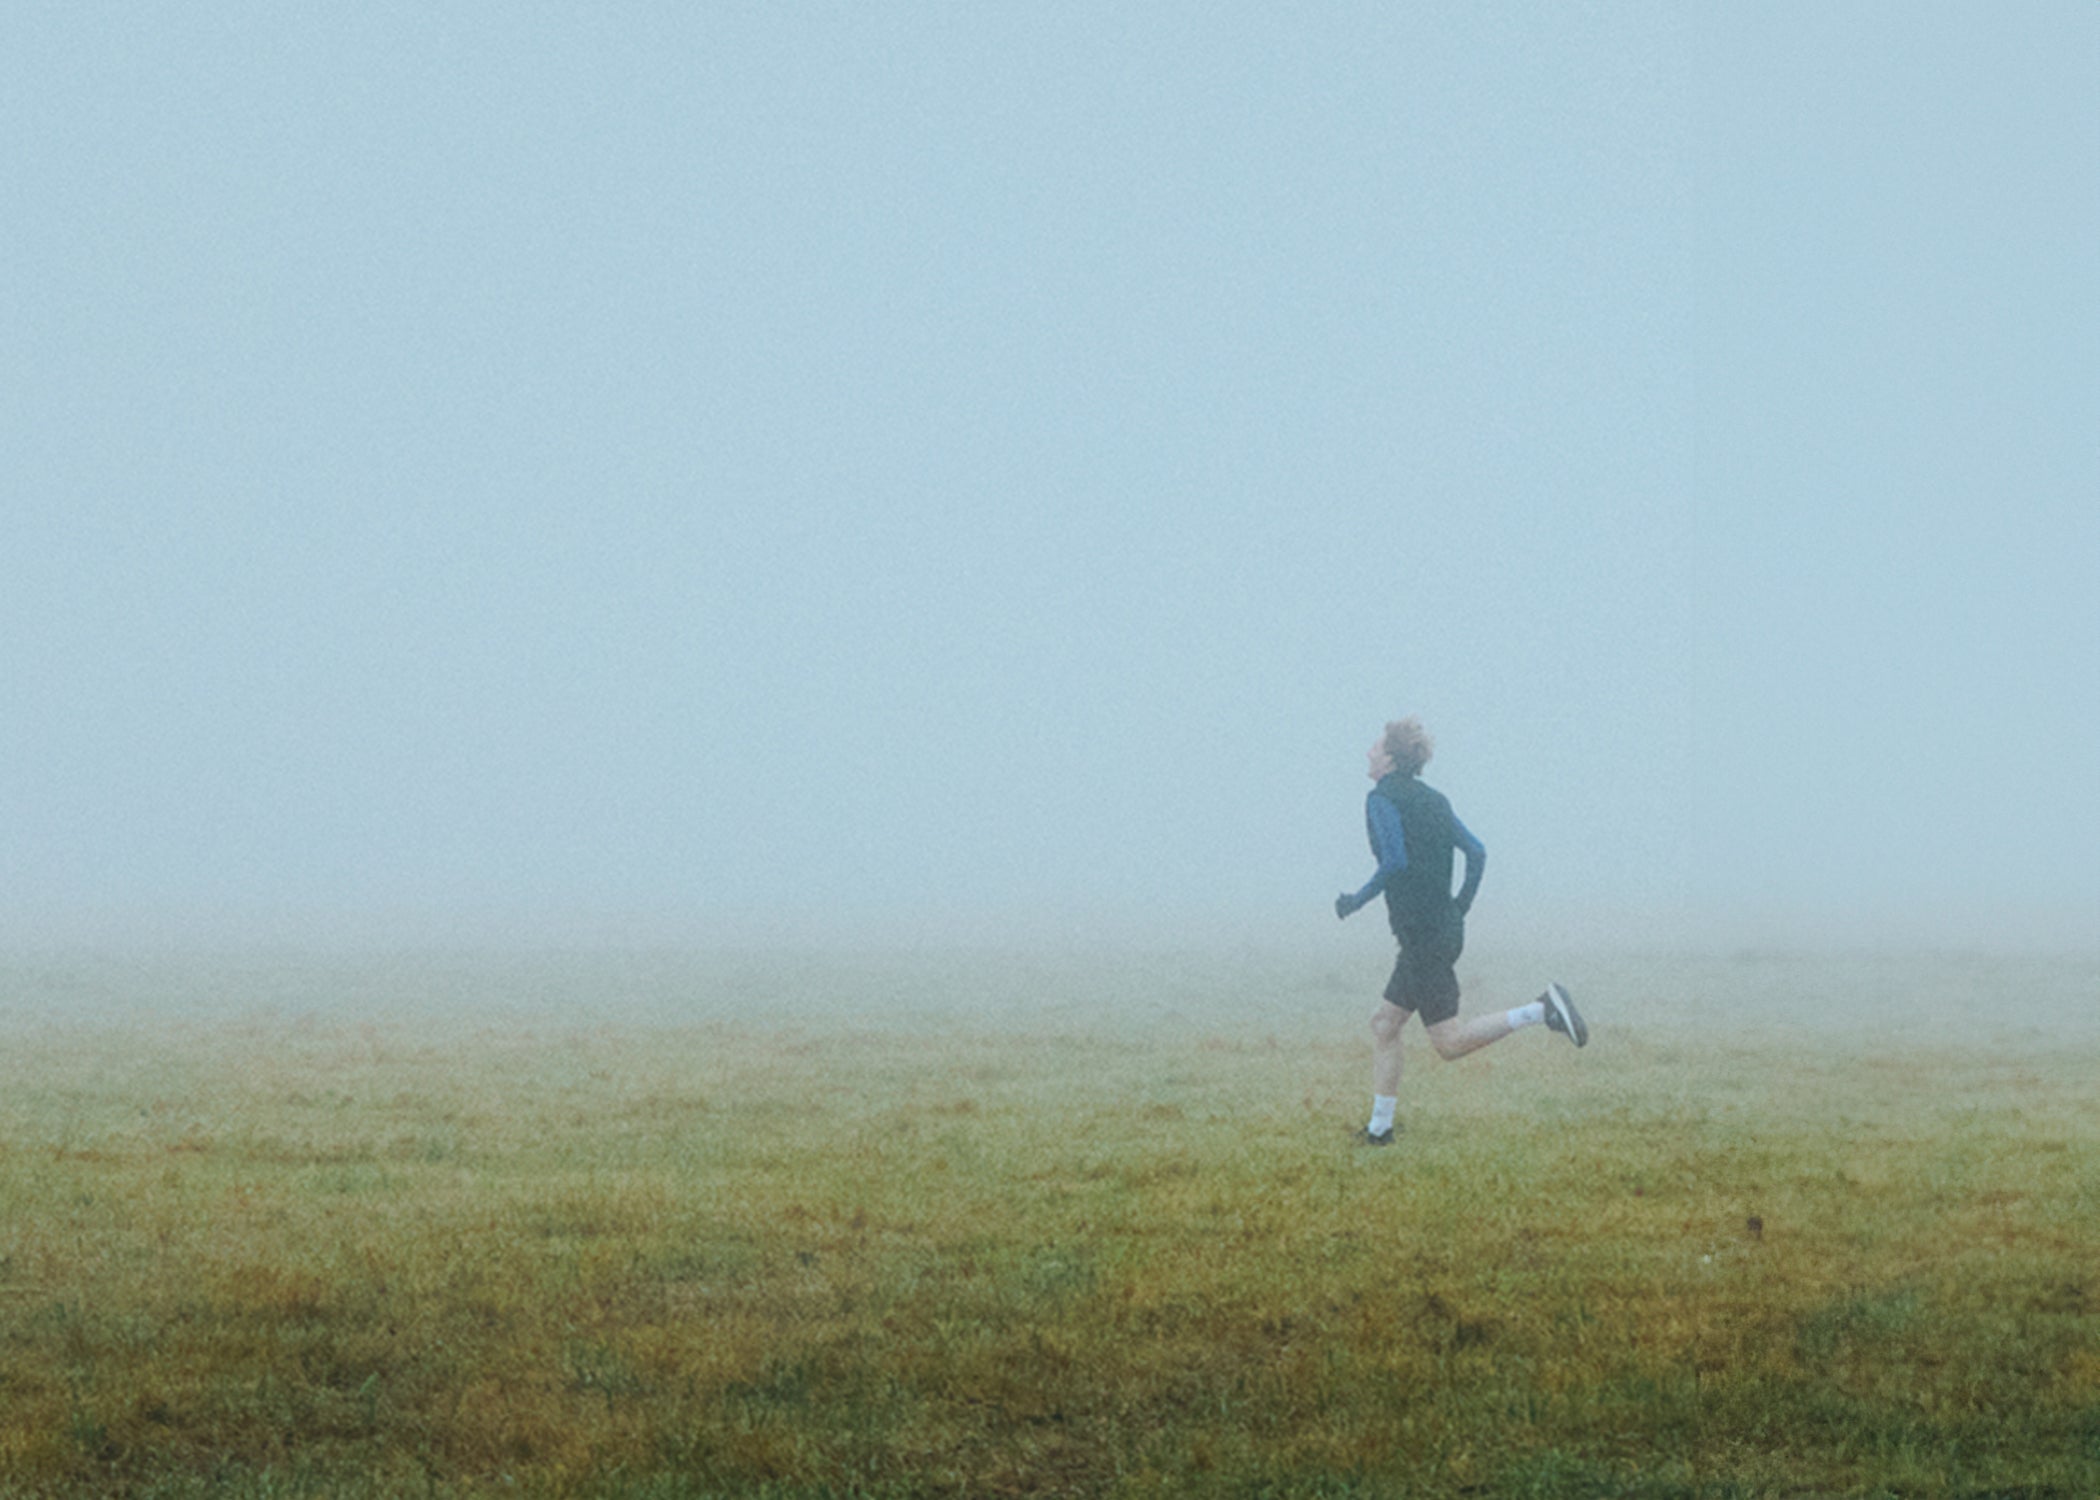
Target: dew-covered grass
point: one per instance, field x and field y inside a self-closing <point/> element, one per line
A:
<point x="965" y="1224"/>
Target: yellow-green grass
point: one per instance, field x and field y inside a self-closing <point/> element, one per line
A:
<point x="970" y="1225"/>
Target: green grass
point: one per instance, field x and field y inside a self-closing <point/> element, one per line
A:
<point x="963" y="1226"/>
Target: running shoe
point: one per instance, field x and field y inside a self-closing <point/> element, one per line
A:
<point x="1563" y="1017"/>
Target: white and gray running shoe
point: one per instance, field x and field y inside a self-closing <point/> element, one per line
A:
<point x="1563" y="1017"/>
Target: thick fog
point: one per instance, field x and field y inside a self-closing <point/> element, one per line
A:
<point x="739" y="472"/>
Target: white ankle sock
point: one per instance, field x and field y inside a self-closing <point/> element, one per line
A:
<point x="1382" y="1106"/>
<point x="1533" y="1014"/>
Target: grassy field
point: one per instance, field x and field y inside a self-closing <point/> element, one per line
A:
<point x="957" y="1225"/>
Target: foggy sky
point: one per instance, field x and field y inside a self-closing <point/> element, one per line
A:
<point x="745" y="470"/>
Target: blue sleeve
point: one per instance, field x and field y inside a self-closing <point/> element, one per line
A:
<point x="1388" y="842"/>
<point x="1476" y="863"/>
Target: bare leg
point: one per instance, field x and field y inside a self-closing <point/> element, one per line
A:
<point x="1386" y="1056"/>
<point x="1454" y="1038"/>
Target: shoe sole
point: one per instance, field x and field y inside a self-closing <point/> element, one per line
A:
<point x="1559" y="1002"/>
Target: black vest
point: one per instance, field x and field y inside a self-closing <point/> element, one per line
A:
<point x="1418" y="899"/>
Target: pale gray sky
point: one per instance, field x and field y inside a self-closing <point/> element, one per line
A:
<point x="913" y="468"/>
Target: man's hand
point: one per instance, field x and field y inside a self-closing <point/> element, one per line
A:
<point x="1344" y="904"/>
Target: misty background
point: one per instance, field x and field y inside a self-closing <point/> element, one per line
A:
<point x="936" y="473"/>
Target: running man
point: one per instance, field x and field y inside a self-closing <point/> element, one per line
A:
<point x="1413" y="836"/>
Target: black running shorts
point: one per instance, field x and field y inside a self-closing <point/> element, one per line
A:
<point x="1425" y="976"/>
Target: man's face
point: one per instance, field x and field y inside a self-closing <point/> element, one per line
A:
<point x="1381" y="761"/>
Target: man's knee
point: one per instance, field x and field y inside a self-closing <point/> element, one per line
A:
<point x="1445" y="1038"/>
<point x="1386" y="1022"/>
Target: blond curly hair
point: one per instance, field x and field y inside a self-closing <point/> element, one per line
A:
<point x="1409" y="744"/>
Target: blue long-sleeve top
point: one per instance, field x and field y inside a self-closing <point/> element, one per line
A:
<point x="1389" y="843"/>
